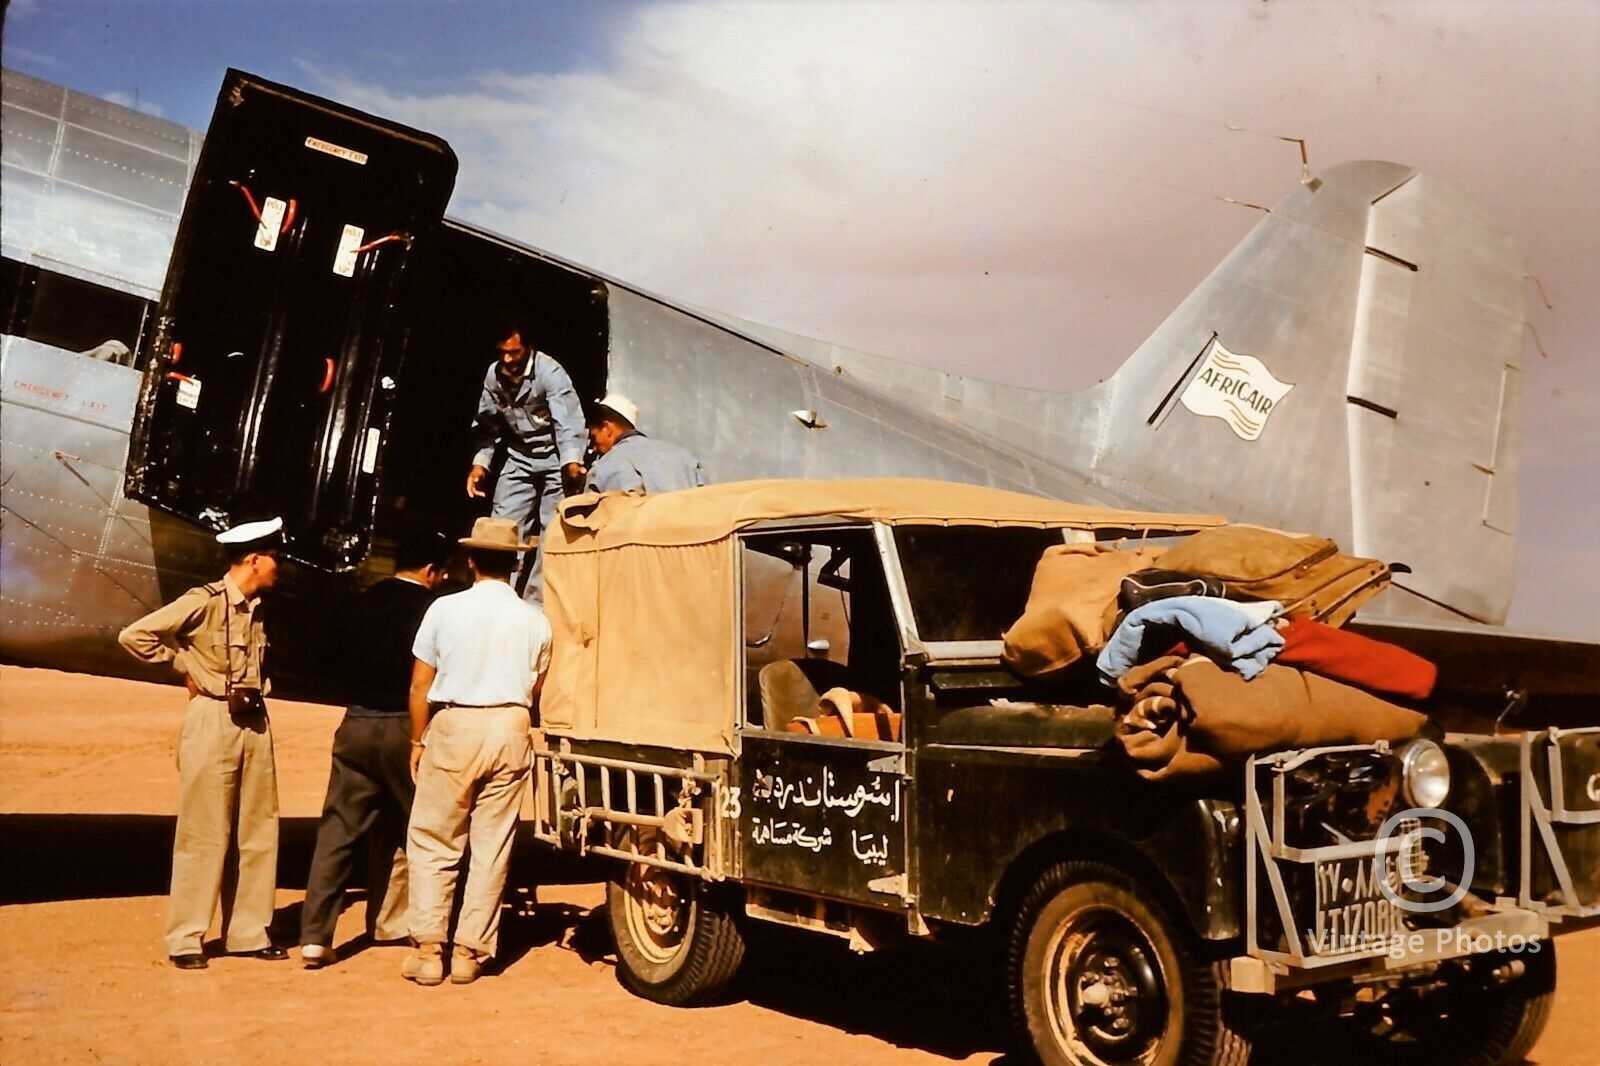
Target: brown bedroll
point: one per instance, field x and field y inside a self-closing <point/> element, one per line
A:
<point x="1071" y="606"/>
<point x="1307" y="574"/>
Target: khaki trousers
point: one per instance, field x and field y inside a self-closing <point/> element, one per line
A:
<point x="394" y="881"/>
<point x="470" y="781"/>
<point x="226" y="845"/>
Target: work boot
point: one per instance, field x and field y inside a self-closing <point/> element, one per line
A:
<point x="425" y="965"/>
<point x="465" y="965"/>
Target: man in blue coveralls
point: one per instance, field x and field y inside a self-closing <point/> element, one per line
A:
<point x="530" y="411"/>
<point x="628" y="460"/>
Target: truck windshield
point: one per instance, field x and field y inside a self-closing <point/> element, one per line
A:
<point x="969" y="582"/>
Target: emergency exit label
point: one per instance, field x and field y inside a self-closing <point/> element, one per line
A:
<point x="316" y="144"/>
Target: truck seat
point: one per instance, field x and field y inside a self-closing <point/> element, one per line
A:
<point x="791" y="688"/>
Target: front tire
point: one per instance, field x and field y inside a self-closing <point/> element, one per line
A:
<point x="1099" y="975"/>
<point x="1478" y="1021"/>
<point x="678" y="941"/>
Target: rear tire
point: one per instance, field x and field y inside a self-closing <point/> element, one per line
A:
<point x="1099" y="975"/>
<point x="678" y="941"/>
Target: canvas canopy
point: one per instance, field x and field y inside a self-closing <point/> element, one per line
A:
<point x="642" y="591"/>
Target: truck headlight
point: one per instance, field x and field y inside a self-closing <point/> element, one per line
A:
<point x="1424" y="774"/>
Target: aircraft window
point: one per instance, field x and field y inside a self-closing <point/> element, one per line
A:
<point x="969" y="582"/>
<point x="66" y="312"/>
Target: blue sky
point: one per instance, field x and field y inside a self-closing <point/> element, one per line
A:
<point x="1018" y="192"/>
<point x="169" y="54"/>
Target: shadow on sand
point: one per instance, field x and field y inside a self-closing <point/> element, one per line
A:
<point x="947" y="1002"/>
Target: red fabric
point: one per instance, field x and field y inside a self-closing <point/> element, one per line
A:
<point x="1357" y="660"/>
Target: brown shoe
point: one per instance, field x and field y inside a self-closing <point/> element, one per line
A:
<point x="465" y="965"/>
<point x="425" y="965"/>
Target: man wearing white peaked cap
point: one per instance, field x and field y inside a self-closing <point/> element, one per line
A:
<point x="227" y="832"/>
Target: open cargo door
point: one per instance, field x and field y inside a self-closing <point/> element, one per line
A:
<point x="271" y="372"/>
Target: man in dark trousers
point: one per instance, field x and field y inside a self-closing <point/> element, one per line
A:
<point x="370" y="788"/>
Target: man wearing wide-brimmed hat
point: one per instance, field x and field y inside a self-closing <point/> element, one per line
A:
<point x="481" y="657"/>
<point x="227" y="832"/>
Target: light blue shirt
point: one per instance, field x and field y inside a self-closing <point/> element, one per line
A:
<point x="540" y="421"/>
<point x="640" y="463"/>
<point x="487" y="644"/>
<point x="1240" y="636"/>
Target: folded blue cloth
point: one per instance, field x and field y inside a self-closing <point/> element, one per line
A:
<point x="1240" y="636"/>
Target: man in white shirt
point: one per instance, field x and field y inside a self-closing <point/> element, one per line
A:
<point x="481" y="657"/>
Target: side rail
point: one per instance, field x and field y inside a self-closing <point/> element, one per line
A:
<point x="1560" y="814"/>
<point x="1327" y="876"/>
<point x="651" y="813"/>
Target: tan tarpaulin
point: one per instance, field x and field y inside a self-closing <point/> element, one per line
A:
<point x="642" y="591"/>
<point x="646" y="646"/>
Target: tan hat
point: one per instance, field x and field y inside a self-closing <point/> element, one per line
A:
<point x="496" y="534"/>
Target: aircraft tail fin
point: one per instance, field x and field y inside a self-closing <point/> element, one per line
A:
<point x="1353" y="367"/>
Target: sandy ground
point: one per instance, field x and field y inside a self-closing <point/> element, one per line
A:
<point x="87" y="792"/>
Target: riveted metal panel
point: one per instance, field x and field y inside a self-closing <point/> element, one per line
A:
<point x="153" y="135"/>
<point x="20" y="90"/>
<point x="141" y="176"/>
<point x="91" y="189"/>
<point x="30" y="138"/>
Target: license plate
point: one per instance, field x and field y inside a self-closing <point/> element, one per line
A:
<point x="1353" y="916"/>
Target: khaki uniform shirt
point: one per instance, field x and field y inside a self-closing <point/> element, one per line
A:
<point x="211" y="634"/>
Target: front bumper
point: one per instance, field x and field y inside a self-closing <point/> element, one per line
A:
<point x="1508" y="929"/>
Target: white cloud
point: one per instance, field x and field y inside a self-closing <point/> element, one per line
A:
<point x="127" y="100"/>
<point x="27" y="57"/>
<point x="1024" y="192"/>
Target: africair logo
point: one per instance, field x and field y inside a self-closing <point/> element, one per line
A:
<point x="1238" y="389"/>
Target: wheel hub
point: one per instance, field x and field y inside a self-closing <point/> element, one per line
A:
<point x="659" y="904"/>
<point x="657" y="910"/>
<point x="1111" y="987"/>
